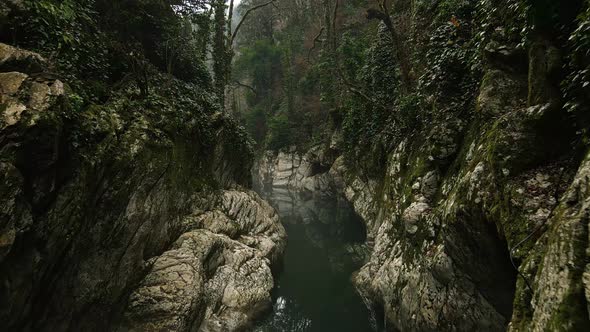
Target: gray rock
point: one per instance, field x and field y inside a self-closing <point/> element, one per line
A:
<point x="296" y="172"/>
<point x="125" y="232"/>
<point x="18" y="92"/>
<point x="217" y="276"/>
<point x="497" y="91"/>
<point x="12" y="59"/>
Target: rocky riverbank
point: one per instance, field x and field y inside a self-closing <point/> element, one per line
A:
<point x="482" y="224"/>
<point x="300" y="173"/>
<point x="129" y="215"/>
<point x="216" y="276"/>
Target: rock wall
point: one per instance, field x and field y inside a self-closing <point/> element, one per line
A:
<point x="302" y="173"/>
<point x="482" y="223"/>
<point x="112" y="218"/>
<point x="469" y="222"/>
<point x="216" y="276"/>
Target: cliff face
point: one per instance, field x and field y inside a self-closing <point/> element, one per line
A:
<point x="291" y="170"/>
<point x="444" y="243"/>
<point x="132" y="214"/>
<point x="480" y="221"/>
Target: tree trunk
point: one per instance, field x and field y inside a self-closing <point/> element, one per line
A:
<point x="220" y="53"/>
<point x="398" y="47"/>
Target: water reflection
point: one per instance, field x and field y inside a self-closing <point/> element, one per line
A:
<point x="326" y="245"/>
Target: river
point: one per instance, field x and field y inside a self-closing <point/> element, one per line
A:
<point x="325" y="246"/>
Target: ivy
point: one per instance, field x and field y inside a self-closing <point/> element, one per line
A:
<point x="576" y="86"/>
<point x="66" y="32"/>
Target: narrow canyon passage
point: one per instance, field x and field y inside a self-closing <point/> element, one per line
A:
<point x="424" y="165"/>
<point x="325" y="246"/>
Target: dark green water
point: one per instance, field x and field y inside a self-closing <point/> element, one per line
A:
<point x="314" y="290"/>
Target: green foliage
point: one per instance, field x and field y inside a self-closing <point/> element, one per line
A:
<point x="294" y="72"/>
<point x="138" y="88"/>
<point x="364" y="120"/>
<point x="260" y="65"/>
<point x="576" y="86"/>
<point x="256" y="124"/>
<point x="76" y="102"/>
<point x="285" y="108"/>
<point x="452" y="71"/>
<point x="446" y="9"/>
<point x="379" y="72"/>
<point x="507" y="24"/>
<point x="353" y="52"/>
<point x="354" y="126"/>
<point x="95" y="43"/>
<point x="259" y="62"/>
<point x="326" y="67"/>
<point x="411" y="113"/>
<point x="446" y="62"/>
<point x="280" y="132"/>
<point x="182" y="53"/>
<point x="66" y="31"/>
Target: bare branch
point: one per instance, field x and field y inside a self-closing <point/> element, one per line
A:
<point x="398" y="47"/>
<point x="235" y="33"/>
<point x="315" y="40"/>
<point x="238" y="83"/>
<point x="230" y="17"/>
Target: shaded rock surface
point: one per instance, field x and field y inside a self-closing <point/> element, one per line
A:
<point x="480" y="224"/>
<point x="215" y="277"/>
<point x="291" y="170"/>
<point x="111" y="218"/>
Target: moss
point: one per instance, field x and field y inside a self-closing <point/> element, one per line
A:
<point x="522" y="310"/>
<point x="511" y="222"/>
<point x="188" y="170"/>
<point x="471" y="136"/>
<point x="572" y="314"/>
<point x="3" y="108"/>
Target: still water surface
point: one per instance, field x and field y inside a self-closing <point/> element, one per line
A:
<point x="314" y="290"/>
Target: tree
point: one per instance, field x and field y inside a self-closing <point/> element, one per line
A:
<point x="221" y="55"/>
<point x="224" y="40"/>
<point x="383" y="14"/>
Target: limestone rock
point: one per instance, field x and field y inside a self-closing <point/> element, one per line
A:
<point x="496" y="93"/>
<point x="12" y="58"/>
<point x="19" y="93"/>
<point x="302" y="173"/>
<point x="217" y="276"/>
<point x="451" y="215"/>
<point x="10" y="83"/>
<point x="103" y="227"/>
<point x="560" y="285"/>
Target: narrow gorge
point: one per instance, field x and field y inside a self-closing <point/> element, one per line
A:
<point x="279" y="165"/>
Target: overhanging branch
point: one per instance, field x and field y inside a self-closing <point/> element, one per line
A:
<point x="235" y="33"/>
<point x="315" y="40"/>
<point x="238" y="83"/>
<point x="384" y="16"/>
